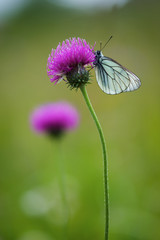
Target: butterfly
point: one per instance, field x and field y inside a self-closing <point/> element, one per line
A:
<point x="112" y="77"/>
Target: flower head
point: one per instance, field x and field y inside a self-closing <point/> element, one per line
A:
<point x="54" y="118"/>
<point x="69" y="61"/>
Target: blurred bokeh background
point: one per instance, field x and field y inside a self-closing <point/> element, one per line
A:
<point x="30" y="202"/>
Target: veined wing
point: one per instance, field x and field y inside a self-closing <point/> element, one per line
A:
<point x="135" y="82"/>
<point x="113" y="78"/>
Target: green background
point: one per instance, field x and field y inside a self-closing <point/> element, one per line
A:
<point x="30" y="202"/>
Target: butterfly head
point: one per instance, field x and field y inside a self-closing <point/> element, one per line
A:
<point x="98" y="55"/>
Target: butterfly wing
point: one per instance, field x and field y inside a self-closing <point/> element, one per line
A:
<point x="113" y="78"/>
<point x="135" y="82"/>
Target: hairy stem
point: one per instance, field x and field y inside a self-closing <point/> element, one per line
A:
<point x="89" y="105"/>
<point x="62" y="188"/>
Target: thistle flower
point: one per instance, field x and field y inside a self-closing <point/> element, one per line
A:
<point x="54" y="118"/>
<point x="69" y="60"/>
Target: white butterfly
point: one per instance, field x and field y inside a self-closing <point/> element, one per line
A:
<point x="112" y="77"/>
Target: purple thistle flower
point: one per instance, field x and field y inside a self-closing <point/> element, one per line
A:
<point x="69" y="60"/>
<point x="54" y="118"/>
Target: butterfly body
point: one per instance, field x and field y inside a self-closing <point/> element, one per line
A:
<point x="112" y="77"/>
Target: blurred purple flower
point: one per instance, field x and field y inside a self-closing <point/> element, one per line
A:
<point x="72" y="56"/>
<point x="54" y="118"/>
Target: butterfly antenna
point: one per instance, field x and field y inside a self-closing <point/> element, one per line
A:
<point x="100" y="45"/>
<point x="107" y="42"/>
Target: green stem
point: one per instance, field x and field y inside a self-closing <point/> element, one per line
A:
<point x="61" y="178"/>
<point x="89" y="105"/>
